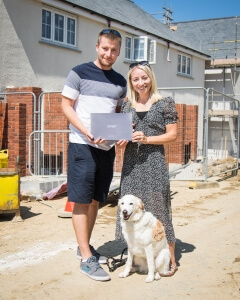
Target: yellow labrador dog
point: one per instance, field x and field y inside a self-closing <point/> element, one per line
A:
<point x="148" y="250"/>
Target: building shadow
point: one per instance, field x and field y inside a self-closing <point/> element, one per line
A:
<point x="115" y="248"/>
<point x="25" y="212"/>
<point x="112" y="200"/>
<point x="112" y="248"/>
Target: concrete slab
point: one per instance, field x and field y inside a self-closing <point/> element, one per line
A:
<point x="35" y="186"/>
<point x="64" y="214"/>
<point x="203" y="185"/>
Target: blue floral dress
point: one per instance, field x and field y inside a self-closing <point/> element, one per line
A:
<point x="145" y="173"/>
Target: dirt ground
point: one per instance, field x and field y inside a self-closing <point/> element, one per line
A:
<point x="38" y="256"/>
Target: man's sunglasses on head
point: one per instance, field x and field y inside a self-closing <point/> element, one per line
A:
<point x="109" y="30"/>
<point x="141" y="63"/>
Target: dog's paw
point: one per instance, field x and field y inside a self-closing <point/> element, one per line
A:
<point x="150" y="278"/>
<point x="123" y="274"/>
<point x="157" y="276"/>
<point x="134" y="269"/>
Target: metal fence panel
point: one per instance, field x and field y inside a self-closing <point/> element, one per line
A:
<point x="52" y="152"/>
<point x="207" y="144"/>
<point x="223" y="133"/>
<point x="51" y="137"/>
<point x="187" y="155"/>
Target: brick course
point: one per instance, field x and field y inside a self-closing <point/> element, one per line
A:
<point x="2" y="124"/>
<point x="19" y="123"/>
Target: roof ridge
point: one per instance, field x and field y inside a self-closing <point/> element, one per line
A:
<point x="203" y="20"/>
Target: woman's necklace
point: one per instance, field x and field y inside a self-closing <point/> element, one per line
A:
<point x="144" y="104"/>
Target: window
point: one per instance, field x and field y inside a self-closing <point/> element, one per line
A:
<point x="152" y="51"/>
<point x="128" y="43"/>
<point x="58" y="27"/>
<point x="184" y="64"/>
<point x="71" y="29"/>
<point x="46" y="24"/>
<point x="140" y="48"/>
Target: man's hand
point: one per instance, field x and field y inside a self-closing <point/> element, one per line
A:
<point x="122" y="143"/>
<point x="91" y="139"/>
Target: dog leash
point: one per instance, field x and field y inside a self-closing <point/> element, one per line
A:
<point x="116" y="262"/>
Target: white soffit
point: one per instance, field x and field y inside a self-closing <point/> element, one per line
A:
<point x="217" y="71"/>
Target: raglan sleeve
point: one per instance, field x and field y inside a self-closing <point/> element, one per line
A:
<point x="71" y="88"/>
<point x="125" y="108"/>
<point x="123" y="95"/>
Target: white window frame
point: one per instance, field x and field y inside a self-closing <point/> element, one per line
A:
<point x="128" y="48"/>
<point x="152" y="52"/>
<point x="146" y="49"/>
<point x="65" y="28"/>
<point x="140" y="50"/>
<point x="184" y="64"/>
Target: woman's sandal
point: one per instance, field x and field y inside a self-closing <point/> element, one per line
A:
<point x="171" y="272"/>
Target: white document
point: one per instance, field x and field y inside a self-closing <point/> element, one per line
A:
<point x="112" y="126"/>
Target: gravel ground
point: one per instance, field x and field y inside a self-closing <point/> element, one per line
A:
<point x="38" y="256"/>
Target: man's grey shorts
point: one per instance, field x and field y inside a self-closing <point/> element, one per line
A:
<point x="90" y="172"/>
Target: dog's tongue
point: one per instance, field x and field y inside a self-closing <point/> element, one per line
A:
<point x="126" y="216"/>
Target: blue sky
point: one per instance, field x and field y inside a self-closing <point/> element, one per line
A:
<point x="189" y="10"/>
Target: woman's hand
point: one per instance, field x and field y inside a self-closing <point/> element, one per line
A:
<point x="162" y="139"/>
<point x="139" y="137"/>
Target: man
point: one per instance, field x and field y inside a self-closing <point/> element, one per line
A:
<point x="91" y="87"/>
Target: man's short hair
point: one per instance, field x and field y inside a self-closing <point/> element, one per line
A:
<point x="111" y="34"/>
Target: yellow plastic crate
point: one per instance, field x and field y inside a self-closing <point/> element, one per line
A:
<point x="3" y="158"/>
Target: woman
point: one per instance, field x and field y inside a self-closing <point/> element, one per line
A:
<point x="145" y="172"/>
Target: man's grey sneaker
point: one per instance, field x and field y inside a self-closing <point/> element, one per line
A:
<point x="101" y="259"/>
<point x="92" y="269"/>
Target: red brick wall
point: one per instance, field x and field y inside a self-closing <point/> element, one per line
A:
<point x="191" y="130"/>
<point x="54" y="119"/>
<point x="185" y="147"/>
<point x="53" y="115"/>
<point x="175" y="151"/>
<point x="2" y="125"/>
<point x="119" y="159"/>
<point x="17" y="136"/>
<point x="20" y="124"/>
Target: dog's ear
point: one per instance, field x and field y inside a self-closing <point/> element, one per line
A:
<point x="119" y="201"/>
<point x="140" y="205"/>
<point x="158" y="231"/>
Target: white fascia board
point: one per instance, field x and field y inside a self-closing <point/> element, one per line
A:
<point x="188" y="51"/>
<point x="217" y="71"/>
<point x="126" y="28"/>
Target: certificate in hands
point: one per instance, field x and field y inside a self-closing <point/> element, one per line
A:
<point x="112" y="126"/>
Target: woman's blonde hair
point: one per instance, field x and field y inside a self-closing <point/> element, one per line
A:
<point x="132" y="95"/>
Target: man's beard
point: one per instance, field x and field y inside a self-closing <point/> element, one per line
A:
<point x="103" y="63"/>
